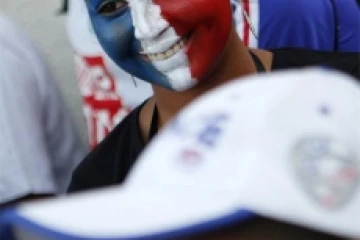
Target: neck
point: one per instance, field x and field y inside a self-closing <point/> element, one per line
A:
<point x="235" y="62"/>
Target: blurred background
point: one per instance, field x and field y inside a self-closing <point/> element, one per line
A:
<point x="42" y="21"/>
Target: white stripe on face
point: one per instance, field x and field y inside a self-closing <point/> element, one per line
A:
<point x="160" y="43"/>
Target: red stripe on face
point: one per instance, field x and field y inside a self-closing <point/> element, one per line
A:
<point x="207" y="23"/>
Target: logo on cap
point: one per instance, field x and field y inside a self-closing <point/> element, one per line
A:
<point x="201" y="135"/>
<point x="327" y="170"/>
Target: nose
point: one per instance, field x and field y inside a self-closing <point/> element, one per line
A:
<point x="147" y="19"/>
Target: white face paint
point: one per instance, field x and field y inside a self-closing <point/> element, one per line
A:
<point x="161" y="44"/>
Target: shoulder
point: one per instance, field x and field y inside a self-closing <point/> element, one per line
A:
<point x="347" y="62"/>
<point x="20" y="52"/>
<point x="304" y="9"/>
<point x="15" y="83"/>
<point x="11" y="40"/>
<point x="14" y="38"/>
<point x="111" y="160"/>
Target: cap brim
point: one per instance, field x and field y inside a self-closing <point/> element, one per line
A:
<point x="124" y="214"/>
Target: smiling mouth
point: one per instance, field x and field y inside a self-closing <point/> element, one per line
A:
<point x="167" y="53"/>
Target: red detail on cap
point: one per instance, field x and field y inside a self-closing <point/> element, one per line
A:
<point x="345" y="175"/>
<point x="329" y="200"/>
<point x="191" y="156"/>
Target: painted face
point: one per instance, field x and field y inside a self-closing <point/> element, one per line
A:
<point x="174" y="44"/>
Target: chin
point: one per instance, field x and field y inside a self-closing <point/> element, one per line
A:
<point x="180" y="79"/>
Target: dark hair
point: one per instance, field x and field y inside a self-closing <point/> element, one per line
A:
<point x="64" y="7"/>
<point x="263" y="228"/>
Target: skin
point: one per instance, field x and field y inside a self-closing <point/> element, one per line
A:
<point x="210" y="63"/>
<point x="135" y="33"/>
<point x="196" y="21"/>
<point x="224" y="73"/>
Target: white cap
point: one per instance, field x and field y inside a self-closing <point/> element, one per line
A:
<point x="283" y="145"/>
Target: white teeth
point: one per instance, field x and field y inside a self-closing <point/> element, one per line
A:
<point x="161" y="56"/>
<point x="157" y="57"/>
<point x="176" y="48"/>
<point x="168" y="53"/>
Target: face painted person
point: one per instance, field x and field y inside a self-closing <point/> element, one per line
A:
<point x="184" y="49"/>
<point x="109" y="93"/>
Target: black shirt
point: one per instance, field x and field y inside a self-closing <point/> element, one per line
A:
<point x="296" y="58"/>
<point x="110" y="162"/>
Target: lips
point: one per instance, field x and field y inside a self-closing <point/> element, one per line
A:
<point x="165" y="54"/>
<point x="168" y="53"/>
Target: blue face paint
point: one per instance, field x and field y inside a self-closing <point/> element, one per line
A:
<point x="116" y="35"/>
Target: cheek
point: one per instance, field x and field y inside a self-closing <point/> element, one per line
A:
<point x="209" y="23"/>
<point x="208" y="42"/>
<point x="116" y="36"/>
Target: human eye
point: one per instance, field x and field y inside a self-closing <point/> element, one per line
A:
<point x="109" y="8"/>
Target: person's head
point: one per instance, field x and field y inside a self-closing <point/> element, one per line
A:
<point x="173" y="44"/>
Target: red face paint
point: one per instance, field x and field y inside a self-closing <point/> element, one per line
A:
<point x="206" y="23"/>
